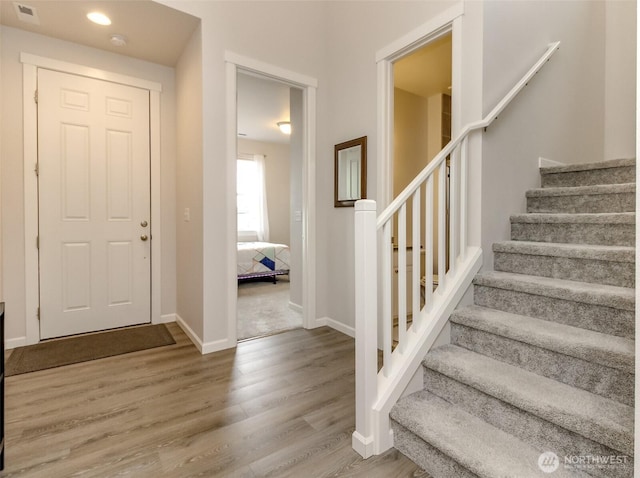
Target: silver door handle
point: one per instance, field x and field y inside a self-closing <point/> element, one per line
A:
<point x="143" y="237"/>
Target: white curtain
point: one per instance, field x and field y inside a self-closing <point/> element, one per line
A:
<point x="263" y="210"/>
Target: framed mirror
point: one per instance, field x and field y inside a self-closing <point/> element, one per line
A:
<point x="350" y="172"/>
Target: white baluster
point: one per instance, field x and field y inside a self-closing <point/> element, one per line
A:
<point x="387" y="321"/>
<point x="453" y="210"/>
<point x="402" y="277"/>
<point x="429" y="243"/>
<point x="415" y="259"/>
<point x="442" y="224"/>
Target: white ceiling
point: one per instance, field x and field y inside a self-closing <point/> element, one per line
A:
<point x="158" y="34"/>
<point x="154" y="32"/>
<point x="262" y="103"/>
<point x="426" y="71"/>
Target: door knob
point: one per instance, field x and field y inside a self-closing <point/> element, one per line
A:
<point x="143" y="237"/>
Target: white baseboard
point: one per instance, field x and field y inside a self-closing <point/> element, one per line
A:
<point x="15" y="343"/>
<point x="548" y="163"/>
<point x="166" y="319"/>
<point x="203" y="347"/>
<point x="296" y="307"/>
<point x="340" y="327"/>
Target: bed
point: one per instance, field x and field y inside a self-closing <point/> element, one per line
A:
<point x="262" y="259"/>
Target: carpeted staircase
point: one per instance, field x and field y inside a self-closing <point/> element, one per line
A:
<point x="544" y="360"/>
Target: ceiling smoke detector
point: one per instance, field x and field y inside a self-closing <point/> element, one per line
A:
<point x="26" y="13"/>
<point x="118" y="40"/>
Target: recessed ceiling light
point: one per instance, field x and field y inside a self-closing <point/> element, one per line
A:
<point x="99" y="18"/>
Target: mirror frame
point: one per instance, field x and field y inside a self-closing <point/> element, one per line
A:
<point x="362" y="142"/>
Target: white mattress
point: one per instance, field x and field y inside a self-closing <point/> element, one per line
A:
<point x="262" y="257"/>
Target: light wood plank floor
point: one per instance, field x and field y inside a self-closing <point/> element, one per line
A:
<point x="279" y="406"/>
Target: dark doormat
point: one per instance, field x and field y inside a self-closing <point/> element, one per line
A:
<point x="56" y="353"/>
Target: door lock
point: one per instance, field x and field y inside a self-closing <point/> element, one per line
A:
<point x="143" y="237"/>
<point x="144" y="223"/>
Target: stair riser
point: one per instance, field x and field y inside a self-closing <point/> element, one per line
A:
<point x="588" y="203"/>
<point x="425" y="456"/>
<point x="572" y="233"/>
<point x="590" y="177"/>
<point x="587" y="316"/>
<point x="534" y="430"/>
<point x="620" y="274"/>
<point x="602" y="380"/>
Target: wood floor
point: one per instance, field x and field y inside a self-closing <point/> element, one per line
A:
<point x="280" y="406"/>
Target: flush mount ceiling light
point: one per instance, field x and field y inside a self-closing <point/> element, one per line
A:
<point x="99" y="18"/>
<point x="118" y="40"/>
<point x="285" y="126"/>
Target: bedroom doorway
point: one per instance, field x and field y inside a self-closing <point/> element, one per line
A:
<point x="268" y="205"/>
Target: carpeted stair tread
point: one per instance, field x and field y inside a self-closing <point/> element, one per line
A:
<point x="601" y="264"/>
<point x="481" y="448"/>
<point x="603" y="349"/>
<point x="584" y="228"/>
<point x="595" y="294"/>
<point x="570" y="168"/>
<point x="594" y="417"/>
<point x="574" y="251"/>
<point x="597" y="189"/>
<point x="582" y="199"/>
<point x="582" y="218"/>
<point x="617" y="171"/>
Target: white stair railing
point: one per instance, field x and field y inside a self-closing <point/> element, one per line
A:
<point x="456" y="262"/>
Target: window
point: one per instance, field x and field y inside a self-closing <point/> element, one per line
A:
<point x="253" y="224"/>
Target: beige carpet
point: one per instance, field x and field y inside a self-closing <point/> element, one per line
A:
<point x="263" y="309"/>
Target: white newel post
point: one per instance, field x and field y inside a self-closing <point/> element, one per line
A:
<point x="366" y="277"/>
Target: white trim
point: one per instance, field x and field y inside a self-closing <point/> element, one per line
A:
<point x="296" y="307"/>
<point x="415" y="38"/>
<point x="272" y="71"/>
<point x="232" y="216"/>
<point x="30" y="65"/>
<point x="447" y="22"/>
<point x="340" y="327"/>
<point x="309" y="210"/>
<point x="203" y="347"/>
<point x="167" y="318"/>
<point x="156" y="201"/>
<point x="15" y="343"/>
<point x="548" y="163"/>
<point x="81" y="70"/>
<point x="30" y="154"/>
<point x="308" y="85"/>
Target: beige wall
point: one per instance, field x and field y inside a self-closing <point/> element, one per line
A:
<point x="277" y="184"/>
<point x="13" y="43"/>
<point x="336" y="43"/>
<point x="560" y="115"/>
<point x="620" y="80"/>
<point x="189" y="185"/>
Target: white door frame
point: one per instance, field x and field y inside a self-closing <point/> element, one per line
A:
<point x="309" y="86"/>
<point x="30" y="65"/>
<point x="448" y="21"/>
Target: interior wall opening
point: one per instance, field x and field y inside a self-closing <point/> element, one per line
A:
<point x="268" y="205"/>
<point x="422" y="118"/>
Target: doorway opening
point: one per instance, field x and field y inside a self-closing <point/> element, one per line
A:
<point x="268" y="201"/>
<point x="422" y="122"/>
<point x="303" y="93"/>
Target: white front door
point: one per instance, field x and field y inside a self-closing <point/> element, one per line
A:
<point x="94" y="204"/>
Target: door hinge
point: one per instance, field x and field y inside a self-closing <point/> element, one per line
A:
<point x="38" y="242"/>
<point x="37" y="169"/>
<point x="35" y="96"/>
<point x="38" y="313"/>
